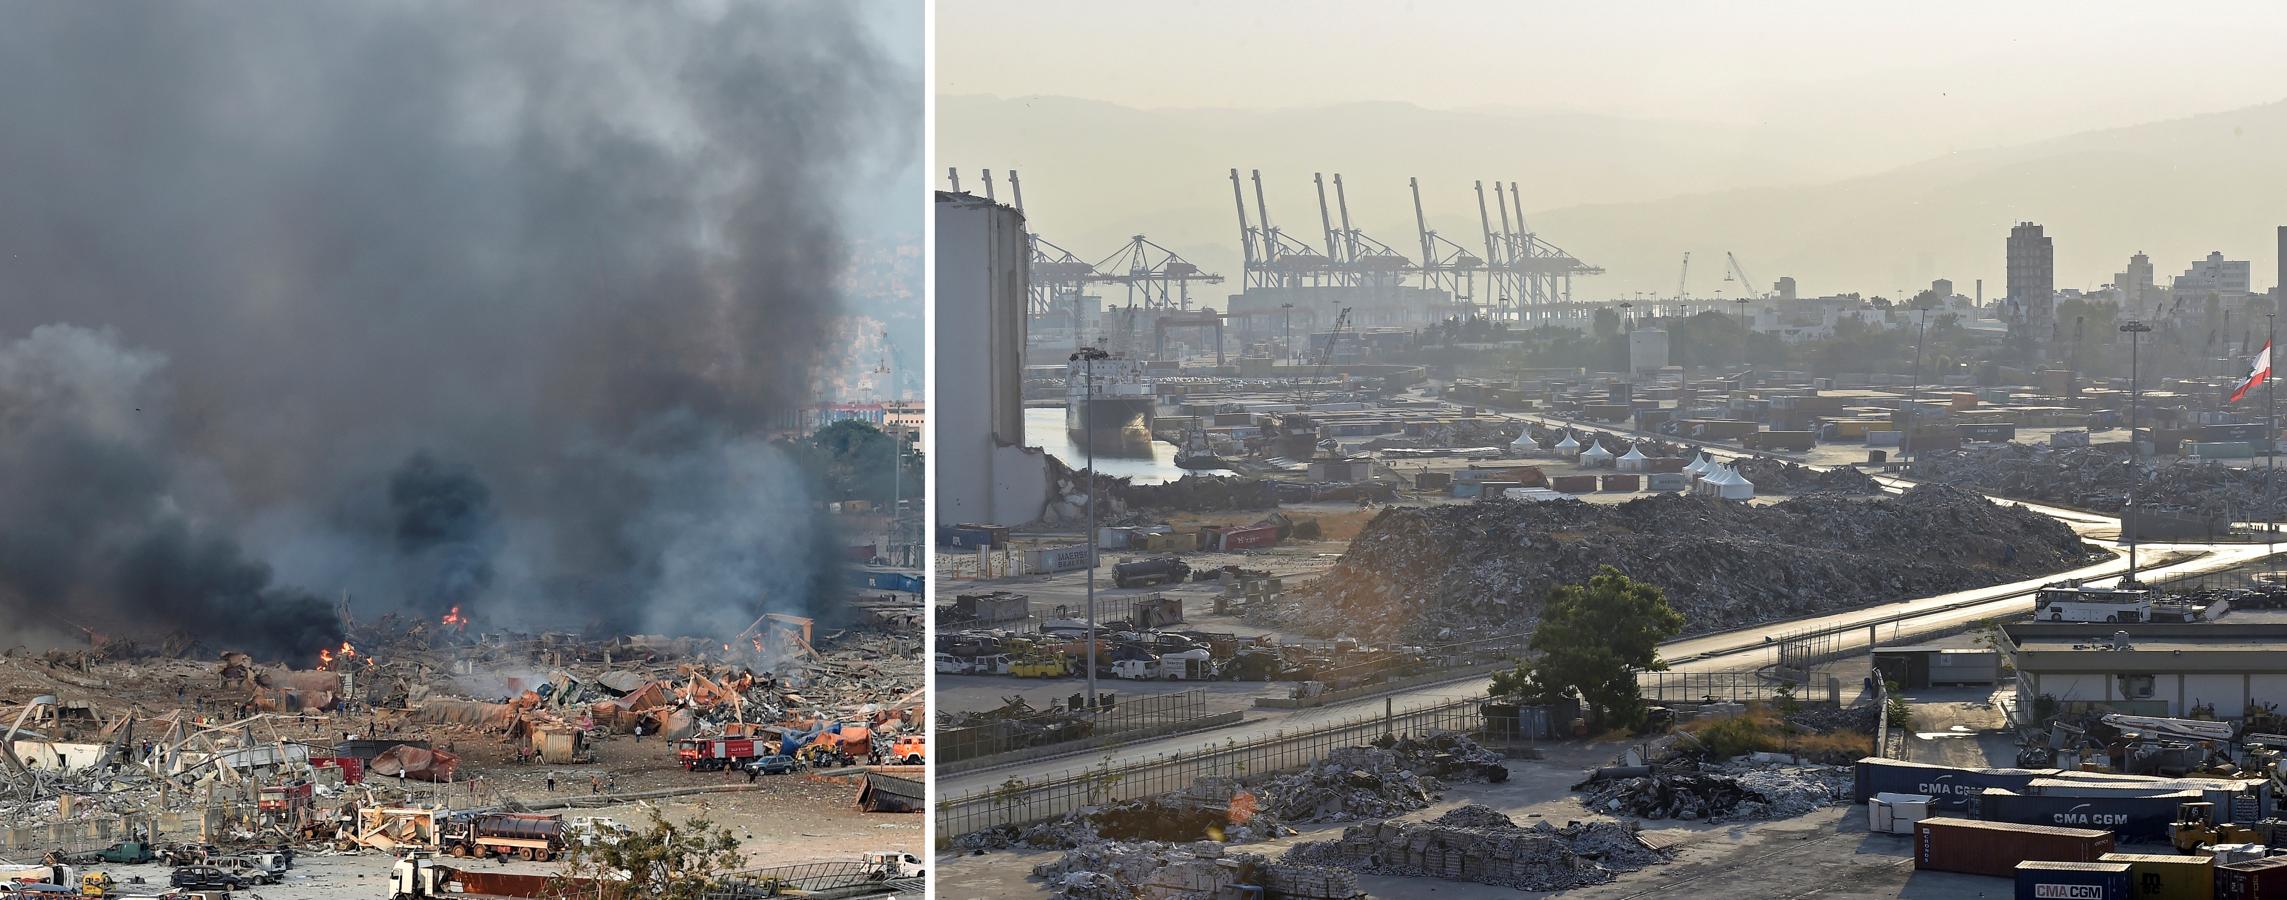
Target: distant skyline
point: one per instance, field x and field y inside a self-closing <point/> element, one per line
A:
<point x="1928" y="76"/>
<point x="1857" y="149"/>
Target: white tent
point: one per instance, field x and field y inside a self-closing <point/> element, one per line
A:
<point x="1634" y="461"/>
<point x="1726" y="483"/>
<point x="1524" y="444"/>
<point x="1596" y="456"/>
<point x="1568" y="448"/>
<point x="1697" y="467"/>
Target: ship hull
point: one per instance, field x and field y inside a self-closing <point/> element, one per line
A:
<point x="1116" y="420"/>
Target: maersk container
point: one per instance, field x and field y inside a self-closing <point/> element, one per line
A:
<point x="2132" y="818"/>
<point x="1995" y="848"/>
<point x="2042" y="880"/>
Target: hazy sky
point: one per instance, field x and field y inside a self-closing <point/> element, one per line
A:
<point x="1953" y="72"/>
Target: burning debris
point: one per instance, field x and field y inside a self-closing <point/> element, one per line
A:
<point x="1426" y="573"/>
<point x="1481" y="845"/>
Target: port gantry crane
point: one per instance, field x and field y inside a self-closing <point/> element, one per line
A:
<point x="1521" y="269"/>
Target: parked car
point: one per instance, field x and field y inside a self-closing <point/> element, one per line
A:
<point x="207" y="878"/>
<point x="771" y="765"/>
<point x="260" y="868"/>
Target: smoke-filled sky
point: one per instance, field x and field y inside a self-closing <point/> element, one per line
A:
<point x="427" y="303"/>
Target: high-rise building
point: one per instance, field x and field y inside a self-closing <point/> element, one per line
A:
<point x="2032" y="298"/>
<point x="2230" y="281"/>
<point x="2134" y="286"/>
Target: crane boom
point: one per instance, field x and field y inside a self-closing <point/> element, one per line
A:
<point x="1745" y="283"/>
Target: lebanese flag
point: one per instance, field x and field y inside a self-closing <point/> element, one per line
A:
<point x="2260" y="374"/>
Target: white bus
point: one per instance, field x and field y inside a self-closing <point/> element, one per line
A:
<point x="2067" y="603"/>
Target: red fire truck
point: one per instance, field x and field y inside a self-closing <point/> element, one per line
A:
<point x="712" y="754"/>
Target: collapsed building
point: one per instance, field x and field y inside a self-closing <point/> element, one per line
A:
<point x="1437" y="572"/>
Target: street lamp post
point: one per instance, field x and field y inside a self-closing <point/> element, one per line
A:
<point x="1087" y="356"/>
<point x="2133" y="328"/>
<point x="1286" y="340"/>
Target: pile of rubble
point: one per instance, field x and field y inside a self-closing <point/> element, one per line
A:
<point x="1720" y="794"/>
<point x="1117" y="871"/>
<point x="1773" y="476"/>
<point x="1481" y="845"/>
<point x="1438" y="572"/>
<point x="1119" y="500"/>
<point x="2099" y="478"/>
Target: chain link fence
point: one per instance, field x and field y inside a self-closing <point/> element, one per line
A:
<point x="1047" y="729"/>
<point x="1020" y="801"/>
<point x="1714" y="687"/>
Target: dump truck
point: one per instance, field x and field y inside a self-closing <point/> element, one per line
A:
<point x="1157" y="570"/>
<point x="527" y="836"/>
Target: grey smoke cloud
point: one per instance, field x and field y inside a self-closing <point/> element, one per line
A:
<point x="572" y="259"/>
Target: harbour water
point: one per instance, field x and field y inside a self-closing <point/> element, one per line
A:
<point x="1152" y="463"/>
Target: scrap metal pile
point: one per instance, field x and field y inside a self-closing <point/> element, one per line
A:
<point x="1378" y="781"/>
<point x="1117" y="871"/>
<point x="1477" y="844"/>
<point x="1720" y="794"/>
<point x="2099" y="478"/>
<point x="1119" y="500"/>
<point x="1426" y="573"/>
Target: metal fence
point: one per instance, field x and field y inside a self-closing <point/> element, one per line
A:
<point x="1047" y="729"/>
<point x="1021" y="801"/>
<point x="1701" y="687"/>
<point x="1801" y="650"/>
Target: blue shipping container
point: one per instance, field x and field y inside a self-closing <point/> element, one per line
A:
<point x="2044" y="880"/>
<point x="2132" y="818"/>
<point x="968" y="538"/>
<point x="1948" y="787"/>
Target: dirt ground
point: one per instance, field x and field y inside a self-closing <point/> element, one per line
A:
<point x="1828" y="853"/>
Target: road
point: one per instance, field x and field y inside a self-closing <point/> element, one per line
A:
<point x="1737" y="650"/>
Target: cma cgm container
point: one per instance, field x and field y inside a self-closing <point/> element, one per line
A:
<point x="2072" y="881"/>
<point x="1995" y="848"/>
<point x="2167" y="876"/>
<point x="2255" y="879"/>
<point x="2132" y="818"/>
<point x="1249" y="538"/>
<point x="1949" y="787"/>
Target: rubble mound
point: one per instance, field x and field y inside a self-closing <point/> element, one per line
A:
<point x="1540" y="858"/>
<point x="2099" y="478"/>
<point x="1119" y="499"/>
<point x="1717" y="796"/>
<point x="1781" y="477"/>
<point x="1442" y="571"/>
<point x="1120" y="871"/>
<point x="1474" y="816"/>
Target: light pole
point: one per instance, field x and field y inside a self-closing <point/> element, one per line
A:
<point x="1914" y="394"/>
<point x="1286" y="340"/>
<point x="1087" y="356"/>
<point x="2132" y="328"/>
<point x="2270" y="443"/>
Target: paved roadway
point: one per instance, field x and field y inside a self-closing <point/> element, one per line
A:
<point x="1737" y="650"/>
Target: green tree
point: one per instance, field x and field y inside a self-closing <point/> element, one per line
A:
<point x="1593" y="638"/>
<point x="661" y="860"/>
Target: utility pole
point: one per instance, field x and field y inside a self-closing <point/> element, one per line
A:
<point x="1088" y="357"/>
<point x="1286" y="340"/>
<point x="2270" y="444"/>
<point x="1914" y="395"/>
<point x="2132" y="328"/>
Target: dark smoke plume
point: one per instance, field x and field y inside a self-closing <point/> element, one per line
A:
<point x="422" y="303"/>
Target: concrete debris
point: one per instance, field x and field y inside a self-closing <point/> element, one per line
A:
<point x="1442" y="572"/>
<point x="1773" y="476"/>
<point x="2099" y="478"/>
<point x="1719" y="794"/>
<point x="1542" y="857"/>
<point x="1471" y="815"/>
<point x="1199" y="871"/>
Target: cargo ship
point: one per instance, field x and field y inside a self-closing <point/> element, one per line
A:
<point x="1118" y="410"/>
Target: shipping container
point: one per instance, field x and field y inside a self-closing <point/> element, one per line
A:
<point x="1950" y="788"/>
<point x="2219" y="450"/>
<point x="1666" y="465"/>
<point x="2242" y="800"/>
<point x="1070" y="558"/>
<point x="1718" y="429"/>
<point x="859" y="553"/>
<point x="2167" y="876"/>
<point x="2255" y="879"/>
<point x="1251" y="538"/>
<point x="1995" y="848"/>
<point x="1109" y="538"/>
<point x="2042" y="880"/>
<point x="1782" y="440"/>
<point x="1623" y="483"/>
<point x="1574" y="484"/>
<point x="1989" y="433"/>
<point x="1896" y="813"/>
<point x="2250" y="432"/>
<point x="1667" y="481"/>
<point x="1468" y="490"/>
<point x="2134" y="819"/>
<point x="1433" y="481"/>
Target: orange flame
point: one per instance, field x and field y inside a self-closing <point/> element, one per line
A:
<point x="327" y="658"/>
<point x="455" y="618"/>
